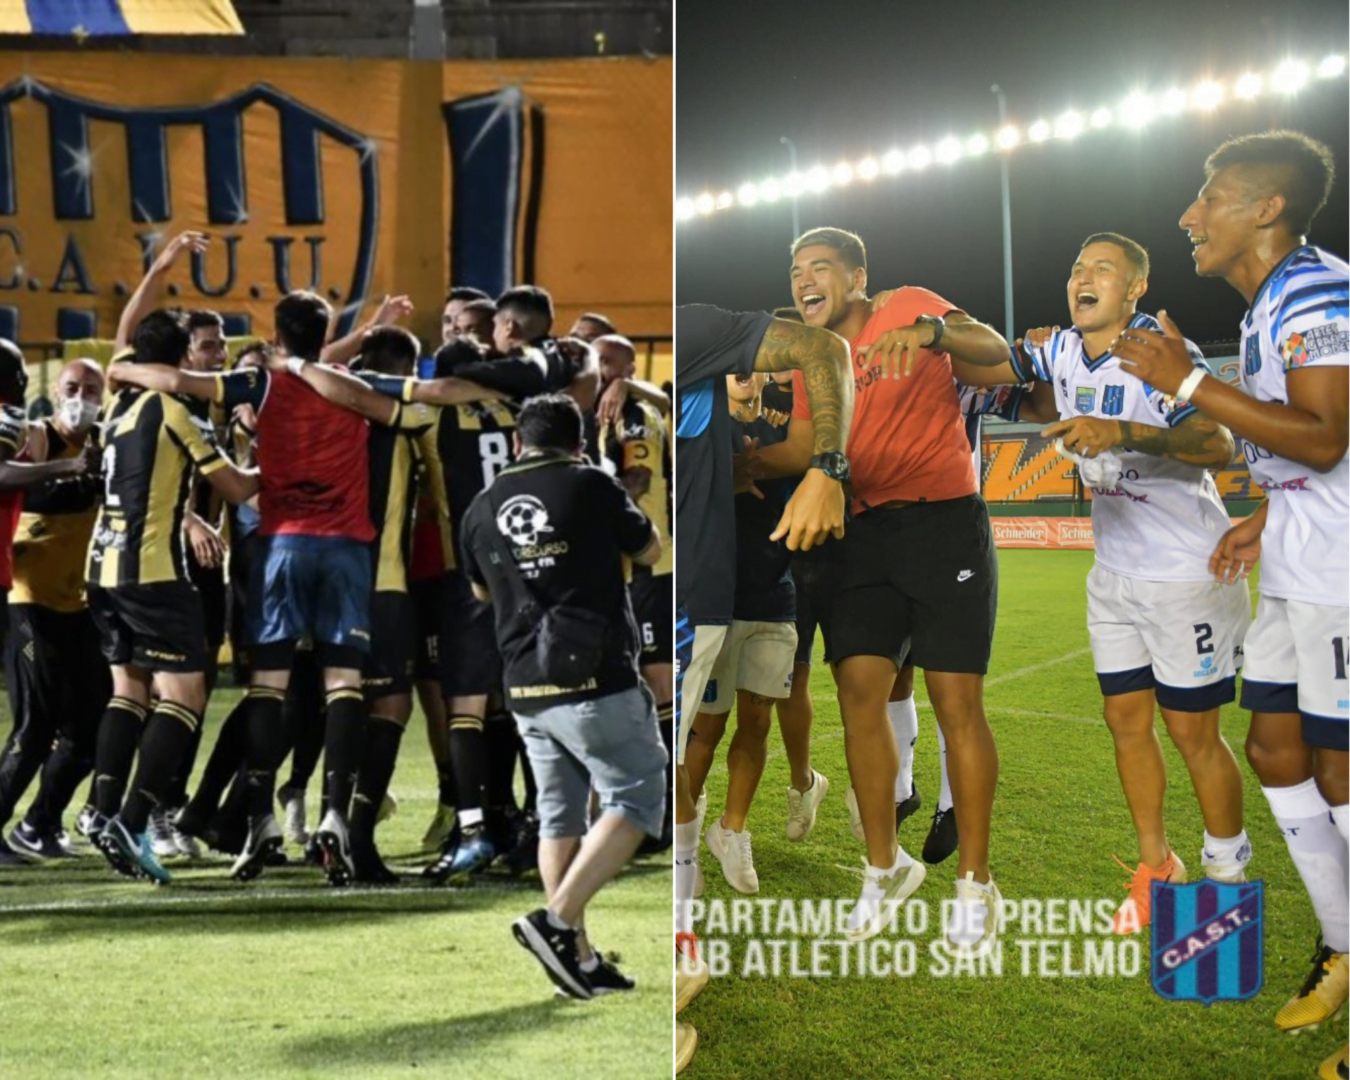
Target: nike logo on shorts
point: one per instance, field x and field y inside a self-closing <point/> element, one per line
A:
<point x="965" y="575"/>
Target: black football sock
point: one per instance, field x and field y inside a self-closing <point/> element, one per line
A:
<point x="177" y="791"/>
<point x="344" y="737"/>
<point x="223" y="764"/>
<point x="118" y="733"/>
<point x="468" y="757"/>
<point x="383" y="737"/>
<point x="305" y="719"/>
<point x="445" y="785"/>
<point x="527" y="777"/>
<point x="264" y="748"/>
<point x="502" y="741"/>
<point x="168" y="736"/>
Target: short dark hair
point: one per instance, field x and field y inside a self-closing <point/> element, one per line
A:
<point x="302" y="323"/>
<point x="389" y="349"/>
<point x="257" y="345"/>
<point x="453" y="355"/>
<point x="484" y="306"/>
<point x="601" y="321"/>
<point x="201" y="319"/>
<point x="13" y="373"/>
<point x="790" y="313"/>
<point x="1135" y="253"/>
<point x="162" y="338"/>
<point x="550" y="422"/>
<point x="530" y="306"/>
<point x="849" y="245"/>
<point x="465" y="292"/>
<point x="1286" y="163"/>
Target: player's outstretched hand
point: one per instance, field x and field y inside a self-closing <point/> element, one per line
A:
<point x="813" y="514"/>
<point x="392" y="309"/>
<point x="184" y="241"/>
<point x="1038" y="336"/>
<point x="1238" y="551"/>
<point x="1161" y="360"/>
<point x="1087" y="436"/>
<point x="896" y="350"/>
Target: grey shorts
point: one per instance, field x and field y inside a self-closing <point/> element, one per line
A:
<point x="611" y="743"/>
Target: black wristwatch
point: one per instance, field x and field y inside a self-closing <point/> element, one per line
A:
<point x="832" y="463"/>
<point x="938" y="323"/>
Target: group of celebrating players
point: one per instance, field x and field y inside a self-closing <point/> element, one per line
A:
<point x="884" y="410"/>
<point x="306" y="495"/>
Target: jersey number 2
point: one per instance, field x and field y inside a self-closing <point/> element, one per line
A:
<point x="1338" y="647"/>
<point x="1203" y="633"/>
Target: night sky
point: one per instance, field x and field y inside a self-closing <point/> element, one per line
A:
<point x="844" y="79"/>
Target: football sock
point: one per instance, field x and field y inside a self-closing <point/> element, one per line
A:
<point x="1319" y="853"/>
<point x="305" y="722"/>
<point x="176" y="795"/>
<point x="344" y="736"/>
<point x="686" y="869"/>
<point x="1225" y="859"/>
<point x="945" y="795"/>
<point x="383" y="737"/>
<point x="226" y="757"/>
<point x="118" y="733"/>
<point x="501" y="741"/>
<point x="904" y="719"/>
<point x="264" y="747"/>
<point x="445" y="786"/>
<point x="168" y="737"/>
<point x="468" y="757"/>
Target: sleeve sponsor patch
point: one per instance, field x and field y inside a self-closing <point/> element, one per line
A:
<point x="1328" y="340"/>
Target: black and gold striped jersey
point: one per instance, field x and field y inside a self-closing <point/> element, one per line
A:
<point x="394" y="454"/>
<point x="464" y="450"/>
<point x="53" y="534"/>
<point x="151" y="443"/>
<point x="637" y="440"/>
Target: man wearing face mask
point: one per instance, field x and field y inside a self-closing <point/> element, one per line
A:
<point x="56" y="717"/>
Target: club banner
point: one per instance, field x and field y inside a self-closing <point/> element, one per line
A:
<point x="113" y="18"/>
<point x="353" y="178"/>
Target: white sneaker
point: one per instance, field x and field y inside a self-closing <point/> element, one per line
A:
<point x="882" y="890"/>
<point x="160" y="830"/>
<point x="293" y="806"/>
<point x="854" y="816"/>
<point x="187" y="845"/>
<point x="802" y="806"/>
<point x="970" y="926"/>
<point x="733" y="852"/>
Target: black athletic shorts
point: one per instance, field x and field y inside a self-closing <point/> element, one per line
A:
<point x="654" y="611"/>
<point x="210" y="583"/>
<point x="157" y="627"/>
<point x="244" y="551"/>
<point x="427" y="597"/>
<point x="815" y="576"/>
<point x="470" y="662"/>
<point x="925" y="576"/>
<point x="393" y="644"/>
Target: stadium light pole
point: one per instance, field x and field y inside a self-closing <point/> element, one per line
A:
<point x="792" y="157"/>
<point x="1007" y="221"/>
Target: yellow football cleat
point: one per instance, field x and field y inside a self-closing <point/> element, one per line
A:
<point x="1336" y="1067"/>
<point x="1322" y="994"/>
<point x="686" y="1042"/>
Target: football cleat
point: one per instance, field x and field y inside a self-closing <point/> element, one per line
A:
<point x="881" y="891"/>
<point x="556" y="950"/>
<point x="524" y="857"/>
<point x="469" y="857"/>
<point x="691" y="972"/>
<point x="292" y="802"/>
<point x="1336" y="1067"/>
<point x="1137" y="910"/>
<point x="336" y="845"/>
<point x="89" y="822"/>
<point x="733" y="852"/>
<point x="28" y="843"/>
<point x="264" y="838"/>
<point x="369" y="867"/>
<point x="802" y="806"/>
<point x="1321" y="996"/>
<point x="131" y="853"/>
<point x="160" y="831"/>
<point x="970" y="926"/>
<point x="438" y="832"/>
<point x="907" y="807"/>
<point x="942" y="838"/>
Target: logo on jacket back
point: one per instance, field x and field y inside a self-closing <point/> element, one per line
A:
<point x="523" y="519"/>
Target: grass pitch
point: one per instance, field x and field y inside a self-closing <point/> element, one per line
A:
<point x="1059" y="815"/>
<point x="285" y="977"/>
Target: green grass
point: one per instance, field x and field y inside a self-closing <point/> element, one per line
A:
<point x="1058" y="818"/>
<point x="285" y="977"/>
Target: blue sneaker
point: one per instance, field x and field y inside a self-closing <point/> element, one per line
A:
<point x="130" y="853"/>
<point x="470" y="856"/>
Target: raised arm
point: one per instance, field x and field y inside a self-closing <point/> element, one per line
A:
<point x="146" y="296"/>
<point x="345" y="349"/>
<point x="165" y="379"/>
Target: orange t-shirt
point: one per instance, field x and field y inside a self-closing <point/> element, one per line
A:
<point x="908" y="438"/>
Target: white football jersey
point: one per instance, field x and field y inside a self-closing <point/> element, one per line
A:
<point x="1164" y="517"/>
<point x="1300" y="319"/>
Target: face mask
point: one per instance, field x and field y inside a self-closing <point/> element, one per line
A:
<point x="77" y="414"/>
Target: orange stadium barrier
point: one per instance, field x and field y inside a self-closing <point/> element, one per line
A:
<point x="355" y="178"/>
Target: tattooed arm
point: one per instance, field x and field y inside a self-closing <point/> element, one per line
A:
<point x="1197" y="440"/>
<point x="816" y="509"/>
<point x="823" y="358"/>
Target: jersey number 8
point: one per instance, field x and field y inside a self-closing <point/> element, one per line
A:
<point x="495" y="452"/>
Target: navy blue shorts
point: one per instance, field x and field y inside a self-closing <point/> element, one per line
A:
<point x="316" y="587"/>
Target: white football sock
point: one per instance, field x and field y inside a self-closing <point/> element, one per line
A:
<point x="905" y="723"/>
<point x="1225" y="859"/>
<point x="945" y="795"/>
<point x="1318" y="849"/>
<point x="1341" y="816"/>
<point x="686" y="869"/>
